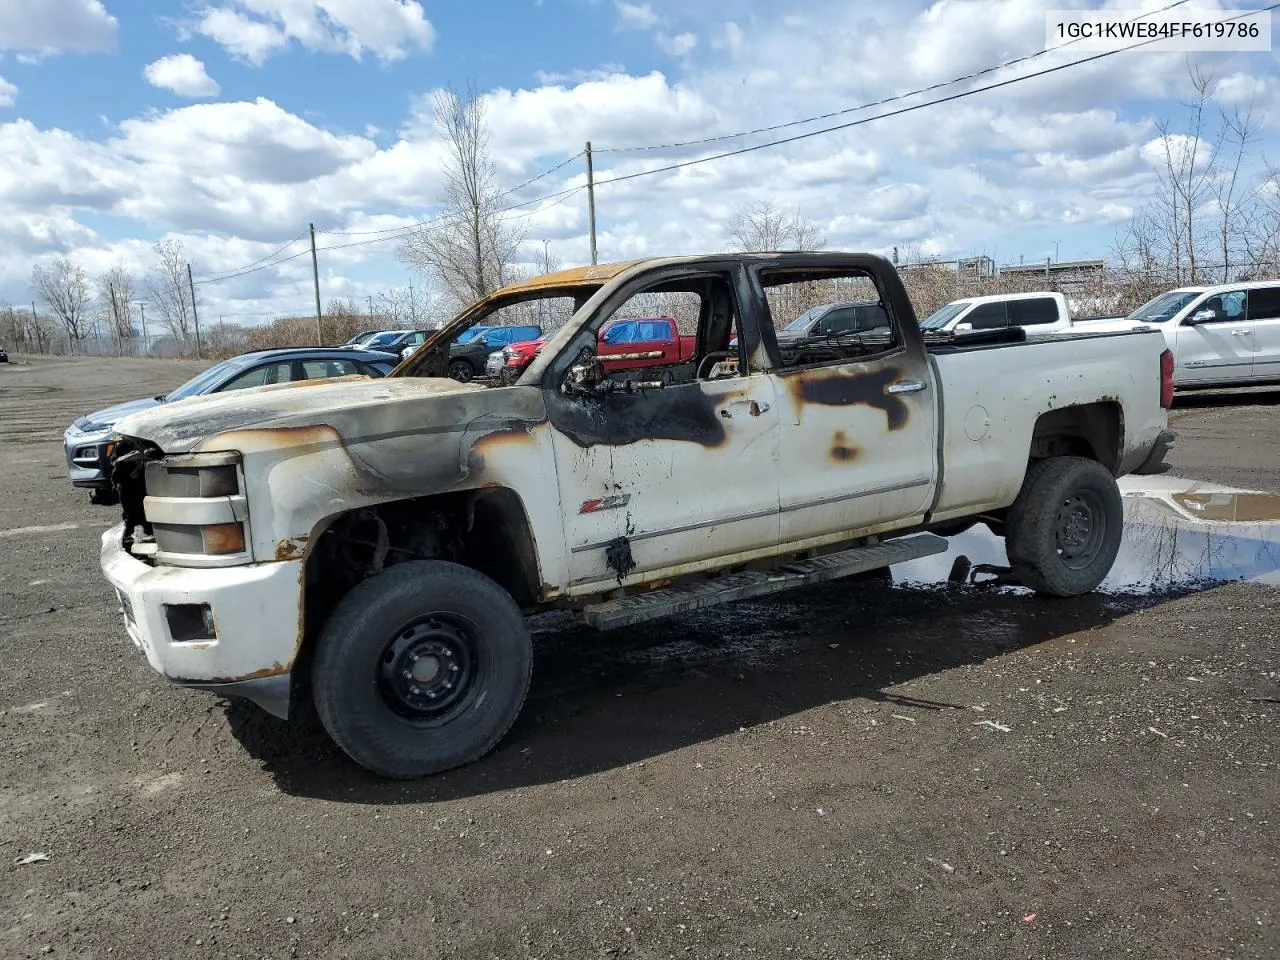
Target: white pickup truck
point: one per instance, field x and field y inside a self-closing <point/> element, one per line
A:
<point x="375" y="545"/>
<point x="1040" y="314"/>
<point x="1223" y="336"/>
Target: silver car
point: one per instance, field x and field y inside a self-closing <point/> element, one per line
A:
<point x="86" y="442"/>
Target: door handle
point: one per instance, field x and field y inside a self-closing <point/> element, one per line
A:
<point x="1241" y="333"/>
<point x="754" y="407"/>
<point x="906" y="386"/>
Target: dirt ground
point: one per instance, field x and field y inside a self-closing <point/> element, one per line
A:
<point x="861" y="770"/>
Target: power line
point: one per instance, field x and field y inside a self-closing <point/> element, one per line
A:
<point x="506" y="193"/>
<point x="865" y="106"/>
<point x="895" y="113"/>
<point x="255" y="263"/>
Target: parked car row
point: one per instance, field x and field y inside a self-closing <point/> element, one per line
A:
<point x="1220" y="336"/>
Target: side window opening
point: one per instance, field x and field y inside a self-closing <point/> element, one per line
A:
<point x="1033" y="311"/>
<point x="1264" y="303"/>
<point x="827" y="315"/>
<point x="1226" y="307"/>
<point x="677" y="331"/>
<point x="265" y="375"/>
<point x="988" y="316"/>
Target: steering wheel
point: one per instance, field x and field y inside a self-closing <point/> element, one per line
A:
<point x="712" y="358"/>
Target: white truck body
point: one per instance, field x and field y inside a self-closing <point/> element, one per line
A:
<point x="251" y="513"/>
<point x="1221" y="336"/>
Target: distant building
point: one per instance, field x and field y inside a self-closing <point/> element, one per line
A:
<point x="1064" y="275"/>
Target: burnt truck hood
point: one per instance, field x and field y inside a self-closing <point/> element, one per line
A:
<point x="183" y="426"/>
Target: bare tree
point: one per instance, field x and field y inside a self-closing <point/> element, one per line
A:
<point x="764" y="226"/>
<point x="1241" y="129"/>
<point x="167" y="289"/>
<point x="116" y="294"/>
<point x="64" y="286"/>
<point x="1261" y="232"/>
<point x="469" y="248"/>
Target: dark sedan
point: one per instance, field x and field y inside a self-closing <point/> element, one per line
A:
<point x="85" y="439"/>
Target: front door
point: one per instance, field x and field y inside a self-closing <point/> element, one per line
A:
<point x="1219" y="346"/>
<point x="662" y="480"/>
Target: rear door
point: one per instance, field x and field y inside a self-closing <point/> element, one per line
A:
<point x="857" y="430"/>
<point x="1264" y="323"/>
<point x="1218" y="348"/>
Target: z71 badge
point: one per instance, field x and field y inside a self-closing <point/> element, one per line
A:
<point x="616" y="502"/>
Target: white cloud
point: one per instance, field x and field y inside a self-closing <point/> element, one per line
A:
<point x="635" y="16"/>
<point x="53" y="26"/>
<point x="1063" y="157"/>
<point x="255" y="29"/>
<point x="8" y="93"/>
<point x="183" y="74"/>
<point x="251" y="40"/>
<point x="678" y="46"/>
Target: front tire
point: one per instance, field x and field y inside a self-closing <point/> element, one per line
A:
<point x="421" y="668"/>
<point x="1064" y="530"/>
<point x="461" y="371"/>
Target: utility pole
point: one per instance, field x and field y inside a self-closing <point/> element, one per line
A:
<point x="315" y="275"/>
<point x="546" y="256"/>
<point x="35" y="328"/>
<point x="142" y="305"/>
<point x="591" y="203"/>
<point x="371" y="308"/>
<point x="1046" y="269"/>
<point x="195" y="314"/>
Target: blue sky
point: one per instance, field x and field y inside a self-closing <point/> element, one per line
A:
<point x="229" y="125"/>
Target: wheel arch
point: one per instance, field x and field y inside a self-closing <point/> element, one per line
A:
<point x="485" y="528"/>
<point x="1093" y="430"/>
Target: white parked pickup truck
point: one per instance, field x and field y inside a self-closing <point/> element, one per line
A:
<point x="1223" y="336"/>
<point x="1040" y="314"/>
<point x="375" y="545"/>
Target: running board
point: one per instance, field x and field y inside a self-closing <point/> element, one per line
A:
<point x="752" y="583"/>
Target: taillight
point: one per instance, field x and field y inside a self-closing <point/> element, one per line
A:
<point x="1166" y="379"/>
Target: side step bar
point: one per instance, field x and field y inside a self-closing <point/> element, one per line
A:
<point x="738" y="586"/>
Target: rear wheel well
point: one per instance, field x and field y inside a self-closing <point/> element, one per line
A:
<point x="1092" y="430"/>
<point x="487" y="530"/>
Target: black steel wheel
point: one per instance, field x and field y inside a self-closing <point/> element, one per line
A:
<point x="1064" y="529"/>
<point x="421" y="668"/>
<point x="430" y="668"/>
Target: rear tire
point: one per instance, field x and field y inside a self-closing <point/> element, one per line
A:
<point x="1064" y="530"/>
<point x="421" y="668"/>
<point x="461" y="371"/>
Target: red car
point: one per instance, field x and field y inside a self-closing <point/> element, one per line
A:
<point x="641" y="335"/>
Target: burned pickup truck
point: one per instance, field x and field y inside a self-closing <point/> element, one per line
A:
<point x="376" y="545"/>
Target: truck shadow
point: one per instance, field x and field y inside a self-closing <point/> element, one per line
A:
<point x="603" y="701"/>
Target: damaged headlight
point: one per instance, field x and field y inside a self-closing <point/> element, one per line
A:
<point x="196" y="507"/>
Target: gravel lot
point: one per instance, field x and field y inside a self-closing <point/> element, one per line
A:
<point x="860" y="770"/>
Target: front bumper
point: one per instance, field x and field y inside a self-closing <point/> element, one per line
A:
<point x="86" y="458"/>
<point x="255" y="609"/>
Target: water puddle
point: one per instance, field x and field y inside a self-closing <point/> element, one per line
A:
<point x="1178" y="534"/>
